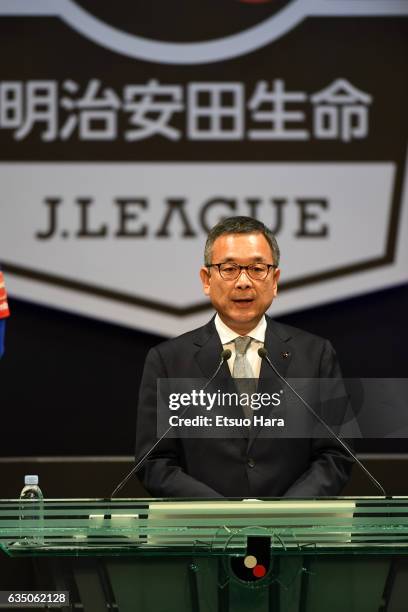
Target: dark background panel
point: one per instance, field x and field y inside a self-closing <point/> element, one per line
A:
<point x="69" y="384"/>
<point x="308" y="59"/>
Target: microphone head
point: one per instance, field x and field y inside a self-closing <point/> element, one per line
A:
<point x="262" y="352"/>
<point x="226" y="354"/>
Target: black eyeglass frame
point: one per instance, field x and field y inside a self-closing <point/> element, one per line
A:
<point x="240" y="268"/>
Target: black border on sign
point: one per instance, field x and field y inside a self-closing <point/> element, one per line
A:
<point x="182" y="311"/>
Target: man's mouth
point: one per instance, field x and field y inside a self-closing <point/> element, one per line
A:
<point x="243" y="300"/>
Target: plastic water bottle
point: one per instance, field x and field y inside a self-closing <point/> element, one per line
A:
<point x="35" y="501"/>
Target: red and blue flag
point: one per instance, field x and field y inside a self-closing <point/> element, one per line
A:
<point x="4" y="312"/>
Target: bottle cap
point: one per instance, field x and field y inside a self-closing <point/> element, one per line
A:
<point x="31" y="479"/>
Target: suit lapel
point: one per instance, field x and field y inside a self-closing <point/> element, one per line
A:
<point x="209" y="351"/>
<point x="280" y="355"/>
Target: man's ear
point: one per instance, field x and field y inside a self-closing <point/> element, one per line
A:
<point x="276" y="276"/>
<point x="205" y="279"/>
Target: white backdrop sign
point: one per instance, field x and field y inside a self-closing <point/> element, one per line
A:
<point x="124" y="141"/>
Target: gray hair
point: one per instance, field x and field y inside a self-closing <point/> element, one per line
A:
<point x="240" y="225"/>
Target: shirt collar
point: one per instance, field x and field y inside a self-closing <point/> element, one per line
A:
<point x="228" y="335"/>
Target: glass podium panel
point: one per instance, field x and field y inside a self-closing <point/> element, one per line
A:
<point x="219" y="556"/>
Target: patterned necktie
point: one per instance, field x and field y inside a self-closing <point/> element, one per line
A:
<point x="242" y="371"/>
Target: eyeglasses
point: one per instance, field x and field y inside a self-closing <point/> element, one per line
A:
<point x="231" y="271"/>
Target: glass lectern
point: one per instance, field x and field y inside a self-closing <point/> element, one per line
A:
<point x="265" y="555"/>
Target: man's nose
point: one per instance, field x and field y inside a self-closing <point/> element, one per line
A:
<point x="243" y="280"/>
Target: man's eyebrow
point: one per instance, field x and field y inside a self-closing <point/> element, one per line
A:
<point x="253" y="260"/>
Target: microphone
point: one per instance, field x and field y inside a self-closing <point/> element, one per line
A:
<point x="225" y="355"/>
<point x="263" y="353"/>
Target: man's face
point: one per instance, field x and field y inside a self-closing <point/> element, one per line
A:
<point x="240" y="302"/>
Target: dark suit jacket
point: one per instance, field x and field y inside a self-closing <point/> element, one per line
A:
<point x="240" y="467"/>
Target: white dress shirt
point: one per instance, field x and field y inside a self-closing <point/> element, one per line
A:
<point x="227" y="337"/>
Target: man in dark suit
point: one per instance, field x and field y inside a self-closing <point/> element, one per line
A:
<point x="240" y="275"/>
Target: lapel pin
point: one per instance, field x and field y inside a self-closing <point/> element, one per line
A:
<point x="285" y="355"/>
